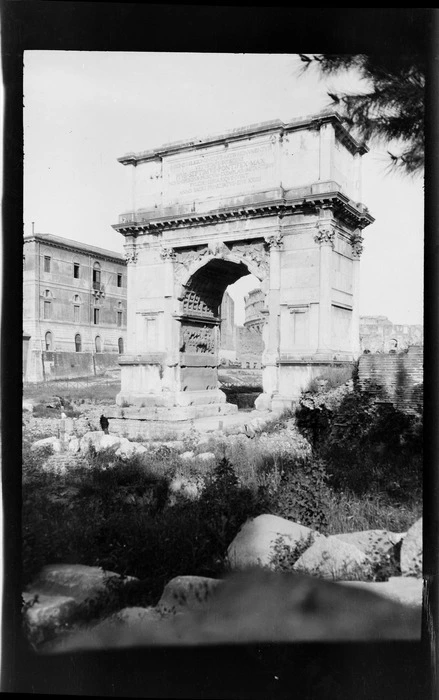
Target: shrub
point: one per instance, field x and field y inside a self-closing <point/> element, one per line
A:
<point x="284" y="556"/>
<point x="303" y="493"/>
<point x="331" y="377"/>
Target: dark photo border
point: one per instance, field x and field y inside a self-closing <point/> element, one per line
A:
<point x="398" y="670"/>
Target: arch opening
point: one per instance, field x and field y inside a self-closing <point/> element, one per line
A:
<point x="209" y="336"/>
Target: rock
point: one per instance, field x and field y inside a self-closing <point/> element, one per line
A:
<point x="28" y="406"/>
<point x="377" y="544"/>
<point x="73" y="580"/>
<point x="402" y="589"/>
<point x="48" y="610"/>
<point x="186" y="456"/>
<point x="254" y="544"/>
<point x="91" y="439"/>
<point x="74" y="444"/>
<point x="52" y="442"/>
<point x="332" y="558"/>
<point x="206" y="456"/>
<point x="108" y="442"/>
<point x="187" y="593"/>
<point x="263" y="402"/>
<point x="262" y="606"/>
<point x="411" y="551"/>
<point x="130" y="449"/>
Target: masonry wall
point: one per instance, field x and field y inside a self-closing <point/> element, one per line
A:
<point x="48" y="366"/>
<point x="401" y="375"/>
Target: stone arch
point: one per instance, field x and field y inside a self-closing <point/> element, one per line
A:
<point x="199" y="317"/>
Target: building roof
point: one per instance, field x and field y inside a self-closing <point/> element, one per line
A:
<point x="69" y="244"/>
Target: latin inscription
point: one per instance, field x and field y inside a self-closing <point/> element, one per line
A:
<point x="244" y="168"/>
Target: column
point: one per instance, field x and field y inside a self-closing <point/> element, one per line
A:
<point x="325" y="238"/>
<point x="271" y="351"/>
<point x="356" y="241"/>
<point x="131" y="258"/>
<point x="168" y="256"/>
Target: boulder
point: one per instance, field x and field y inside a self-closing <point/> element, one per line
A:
<point x="254" y="545"/>
<point x="28" y="406"/>
<point x="52" y="442"/>
<point x="48" y="610"/>
<point x="377" y="544"/>
<point x="74" y="444"/>
<point x="130" y="449"/>
<point x="187" y="593"/>
<point x="411" y="551"/>
<point x="262" y="606"/>
<point x="186" y="456"/>
<point x="402" y="589"/>
<point x="263" y="402"/>
<point x="109" y="442"/>
<point x="206" y="456"/>
<point x="91" y="439"/>
<point x="332" y="558"/>
<point x="76" y="581"/>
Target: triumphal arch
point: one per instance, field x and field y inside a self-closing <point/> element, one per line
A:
<point x="278" y="200"/>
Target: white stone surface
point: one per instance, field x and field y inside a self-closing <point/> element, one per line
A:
<point x="206" y="456"/>
<point x="411" y="551"/>
<point x="91" y="439"/>
<point x="76" y="581"/>
<point x="130" y="449"/>
<point x="377" y="544"/>
<point x="49" y="610"/>
<point x="187" y="593"/>
<point x="254" y="543"/>
<point x="332" y="558"/>
<point x="45" y="442"/>
<point x="188" y="455"/>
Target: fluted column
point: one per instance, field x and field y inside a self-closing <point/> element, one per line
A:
<point x="271" y="351"/>
<point x="356" y="241"/>
<point x="325" y="238"/>
<point x="131" y="258"/>
<point x="168" y="256"/>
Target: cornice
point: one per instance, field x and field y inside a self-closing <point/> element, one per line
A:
<point x="275" y="125"/>
<point x="77" y="247"/>
<point x="344" y="208"/>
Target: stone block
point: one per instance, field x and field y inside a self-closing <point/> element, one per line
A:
<point x="411" y="551"/>
<point x="254" y="544"/>
<point x="187" y="593"/>
<point x="331" y="558"/>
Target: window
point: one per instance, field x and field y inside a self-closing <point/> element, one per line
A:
<point x="96" y="276"/>
<point x="120" y="344"/>
<point x="96" y="316"/>
<point x="119" y="280"/>
<point x="47" y="309"/>
<point x="49" y="341"/>
<point x="76" y="314"/>
<point x="76" y="271"/>
<point x="119" y="318"/>
<point x="98" y="343"/>
<point x="78" y="343"/>
<point x="47" y="263"/>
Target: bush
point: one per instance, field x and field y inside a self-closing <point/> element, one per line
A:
<point x="331" y="377"/>
<point x="303" y="493"/>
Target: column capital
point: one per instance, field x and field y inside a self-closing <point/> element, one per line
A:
<point x="275" y="241"/>
<point x="167" y="253"/>
<point x="131" y="256"/>
<point x="325" y="234"/>
<point x="356" y="241"/>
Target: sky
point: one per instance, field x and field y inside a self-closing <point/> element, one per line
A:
<point x="83" y="110"/>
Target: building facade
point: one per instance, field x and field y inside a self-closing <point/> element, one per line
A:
<point x="74" y="308"/>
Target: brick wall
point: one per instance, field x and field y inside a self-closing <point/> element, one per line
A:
<point x="400" y="375"/>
